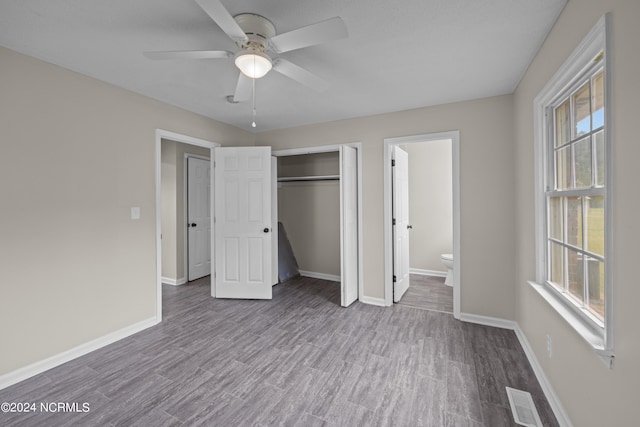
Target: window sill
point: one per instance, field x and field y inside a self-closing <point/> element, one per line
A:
<point x="592" y="335"/>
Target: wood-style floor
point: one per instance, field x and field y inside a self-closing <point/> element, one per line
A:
<point x="298" y="360"/>
<point x="428" y="293"/>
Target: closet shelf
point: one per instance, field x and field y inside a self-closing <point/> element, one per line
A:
<point x="309" y="178"/>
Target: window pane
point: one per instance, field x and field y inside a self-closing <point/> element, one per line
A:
<point x="563" y="128"/>
<point x="595" y="275"/>
<point x="574" y="221"/>
<point x="599" y="138"/>
<point x="575" y="273"/>
<point x="594" y="224"/>
<point x="598" y="100"/>
<point x="563" y="169"/>
<point x="555" y="217"/>
<point x="556" y="265"/>
<point x="582" y="159"/>
<point x="581" y="111"/>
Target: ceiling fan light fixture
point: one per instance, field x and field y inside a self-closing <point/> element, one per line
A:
<point x="253" y="64"/>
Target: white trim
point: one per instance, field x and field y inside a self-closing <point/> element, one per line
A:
<point x="454" y="136"/>
<point x="159" y="136"/>
<point x="495" y="322"/>
<point x="358" y="147"/>
<point x="36" y="368"/>
<point x="576" y="64"/>
<point x="174" y="282"/>
<point x="432" y="273"/>
<point x="380" y="302"/>
<point x="323" y="276"/>
<point x="549" y="393"/>
<point x="592" y="336"/>
<point x="312" y="150"/>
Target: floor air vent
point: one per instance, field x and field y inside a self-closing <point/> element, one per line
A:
<point x="523" y="408"/>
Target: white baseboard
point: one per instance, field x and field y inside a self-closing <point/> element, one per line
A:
<point x="36" y="368"/>
<point x="488" y="321"/>
<point x="554" y="402"/>
<point x="174" y="282"/>
<point x="322" y="276"/>
<point x="433" y="273"/>
<point x="372" y="301"/>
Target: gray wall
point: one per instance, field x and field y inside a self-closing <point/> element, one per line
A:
<point x="77" y="154"/>
<point x="487" y="188"/>
<point x="173" y="207"/>
<point x="591" y="394"/>
<point x="430" y="203"/>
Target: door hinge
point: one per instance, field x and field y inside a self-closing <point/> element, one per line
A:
<point x="393" y="162"/>
<point x="393" y="221"/>
<point x="394" y="279"/>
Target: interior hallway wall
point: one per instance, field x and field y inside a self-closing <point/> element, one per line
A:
<point x="173" y="208"/>
<point x="430" y="204"/>
<point x="591" y="394"/>
<point x="77" y="154"/>
<point x="487" y="206"/>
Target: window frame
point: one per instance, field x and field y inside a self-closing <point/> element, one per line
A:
<point x="565" y="82"/>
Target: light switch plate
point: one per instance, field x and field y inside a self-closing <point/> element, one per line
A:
<point x="135" y="212"/>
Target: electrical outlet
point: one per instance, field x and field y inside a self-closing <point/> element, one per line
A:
<point x="548" y="345"/>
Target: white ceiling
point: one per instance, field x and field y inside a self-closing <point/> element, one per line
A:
<point x="399" y="54"/>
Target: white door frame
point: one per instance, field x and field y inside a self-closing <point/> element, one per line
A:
<point x="185" y="194"/>
<point x="172" y="136"/>
<point x="454" y="136"/>
<point x="328" y="149"/>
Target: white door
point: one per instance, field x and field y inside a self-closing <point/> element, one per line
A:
<point x="243" y="228"/>
<point x="401" y="225"/>
<point x="198" y="218"/>
<point x="349" y="224"/>
<point x="274" y="220"/>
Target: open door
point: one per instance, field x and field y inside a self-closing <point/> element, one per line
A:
<point x="401" y="225"/>
<point x="243" y="228"/>
<point x="349" y="224"/>
<point x="198" y="218"/>
<point x="274" y="221"/>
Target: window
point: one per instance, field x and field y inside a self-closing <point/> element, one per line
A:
<point x="572" y="197"/>
<point x="575" y="195"/>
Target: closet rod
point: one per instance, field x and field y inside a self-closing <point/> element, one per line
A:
<point x="309" y="178"/>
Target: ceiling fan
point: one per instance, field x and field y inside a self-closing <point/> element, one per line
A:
<point x="256" y="35"/>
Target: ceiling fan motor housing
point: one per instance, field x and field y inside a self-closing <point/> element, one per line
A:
<point x="258" y="30"/>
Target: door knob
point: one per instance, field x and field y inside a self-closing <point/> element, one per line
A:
<point x="266" y="230"/>
<point x="409" y="227"/>
<point x="193" y="224"/>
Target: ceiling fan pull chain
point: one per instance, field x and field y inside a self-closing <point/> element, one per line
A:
<point x="253" y="124"/>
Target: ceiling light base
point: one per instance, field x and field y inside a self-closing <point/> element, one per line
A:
<point x="257" y="28"/>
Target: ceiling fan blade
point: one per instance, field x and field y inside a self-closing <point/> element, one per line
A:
<point x="300" y="75"/>
<point x="243" y="88"/>
<point x="223" y="18"/>
<point x="320" y="32"/>
<point x="189" y="54"/>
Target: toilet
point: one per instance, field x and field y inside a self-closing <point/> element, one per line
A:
<point x="447" y="260"/>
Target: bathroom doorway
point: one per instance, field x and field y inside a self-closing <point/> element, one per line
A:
<point x="432" y="224"/>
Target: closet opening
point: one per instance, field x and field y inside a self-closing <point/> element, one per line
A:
<point x="318" y="199"/>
